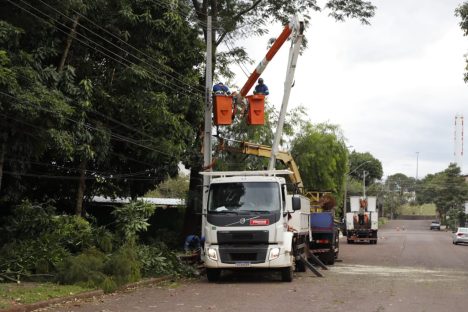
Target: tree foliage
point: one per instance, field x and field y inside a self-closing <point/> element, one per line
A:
<point x="400" y="183"/>
<point x="97" y="97"/>
<point x="176" y="187"/>
<point x="360" y="162"/>
<point x="462" y="13"/>
<point x="447" y="189"/>
<point x="320" y="151"/>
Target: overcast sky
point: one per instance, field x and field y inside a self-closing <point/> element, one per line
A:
<point x="394" y="87"/>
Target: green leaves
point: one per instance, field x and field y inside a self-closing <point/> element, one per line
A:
<point x="462" y="12"/>
<point x="447" y="189"/>
<point x="320" y="152"/>
<point x="132" y="218"/>
<point x="116" y="118"/>
<point x="360" y="162"/>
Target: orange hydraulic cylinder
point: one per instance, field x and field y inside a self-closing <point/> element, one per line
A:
<point x="256" y="112"/>
<point x="222" y="109"/>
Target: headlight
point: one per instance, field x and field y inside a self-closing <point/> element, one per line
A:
<point x="212" y="254"/>
<point x="274" y="253"/>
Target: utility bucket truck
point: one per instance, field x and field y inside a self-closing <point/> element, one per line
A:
<point x="249" y="219"/>
<point x="251" y="222"/>
<point x="363" y="220"/>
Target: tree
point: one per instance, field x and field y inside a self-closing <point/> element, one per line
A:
<point x="462" y="12"/>
<point x="447" y="189"/>
<point x="172" y="188"/>
<point x="108" y="90"/>
<point x="321" y="154"/>
<point x="402" y="185"/>
<point x="360" y="162"/>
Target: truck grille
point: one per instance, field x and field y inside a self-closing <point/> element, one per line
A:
<point x="248" y="253"/>
<point x="247" y="237"/>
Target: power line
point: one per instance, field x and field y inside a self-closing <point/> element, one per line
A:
<point x="61" y="177"/>
<point x="113" y="135"/>
<point x="109" y="118"/>
<point x="113" y="44"/>
<point x="187" y="92"/>
<point x="235" y="60"/>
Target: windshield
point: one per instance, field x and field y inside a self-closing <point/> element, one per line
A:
<point x="247" y="196"/>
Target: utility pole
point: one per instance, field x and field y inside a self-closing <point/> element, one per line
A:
<point x="345" y="194"/>
<point x="417" y="165"/>
<point x="207" y="144"/>
<point x="364" y="183"/>
<point x="416" y="182"/>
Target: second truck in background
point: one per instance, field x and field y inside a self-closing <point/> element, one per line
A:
<point x="363" y="221"/>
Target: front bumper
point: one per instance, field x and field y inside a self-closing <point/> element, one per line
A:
<point x="460" y="240"/>
<point x="229" y="258"/>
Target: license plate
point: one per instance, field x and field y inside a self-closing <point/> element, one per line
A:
<point x="242" y="264"/>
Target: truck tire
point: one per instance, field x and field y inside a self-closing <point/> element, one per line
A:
<point x="300" y="266"/>
<point x="213" y="274"/>
<point x="328" y="258"/>
<point x="337" y="247"/>
<point x="350" y="241"/>
<point x="287" y="274"/>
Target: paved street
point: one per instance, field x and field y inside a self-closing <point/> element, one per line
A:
<point x="410" y="269"/>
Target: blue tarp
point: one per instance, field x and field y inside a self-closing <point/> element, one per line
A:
<point x="321" y="222"/>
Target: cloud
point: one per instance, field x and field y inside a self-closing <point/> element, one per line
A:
<point x="394" y="86"/>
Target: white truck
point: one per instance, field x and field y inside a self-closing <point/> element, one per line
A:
<point x="252" y="222"/>
<point x="362" y="223"/>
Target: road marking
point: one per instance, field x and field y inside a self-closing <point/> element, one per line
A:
<point x="416" y="274"/>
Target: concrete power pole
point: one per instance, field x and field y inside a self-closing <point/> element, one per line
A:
<point x="207" y="144"/>
<point x="364" y="183"/>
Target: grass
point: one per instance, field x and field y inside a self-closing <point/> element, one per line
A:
<point x="421" y="210"/>
<point x="382" y="221"/>
<point x="14" y="294"/>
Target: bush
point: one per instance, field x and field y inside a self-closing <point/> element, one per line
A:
<point x="123" y="265"/>
<point x="132" y="218"/>
<point x="28" y="221"/>
<point x="85" y="269"/>
<point x="103" y="239"/>
<point x="32" y="256"/>
<point x="37" y="240"/>
<point x="73" y="232"/>
<point x="108" y="285"/>
<point x="157" y="260"/>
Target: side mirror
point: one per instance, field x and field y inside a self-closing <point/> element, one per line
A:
<point x="296" y="203"/>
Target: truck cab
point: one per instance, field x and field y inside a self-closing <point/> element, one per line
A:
<point x="251" y="222"/>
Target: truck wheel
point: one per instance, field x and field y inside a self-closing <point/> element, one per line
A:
<point x="350" y="241"/>
<point x="287" y="274"/>
<point x="300" y="266"/>
<point x="213" y="274"/>
<point x="328" y="258"/>
<point x="337" y="247"/>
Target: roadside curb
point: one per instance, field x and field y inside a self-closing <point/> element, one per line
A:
<point x="81" y="296"/>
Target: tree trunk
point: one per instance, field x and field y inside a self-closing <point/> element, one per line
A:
<point x="2" y="161"/>
<point x="81" y="189"/>
<point x="68" y="43"/>
<point x="192" y="217"/>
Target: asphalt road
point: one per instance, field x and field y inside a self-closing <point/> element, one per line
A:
<point x="410" y="269"/>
